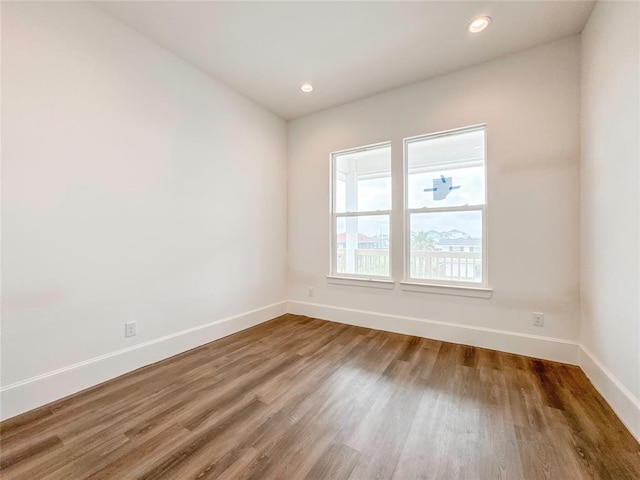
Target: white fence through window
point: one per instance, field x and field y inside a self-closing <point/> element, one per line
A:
<point x="462" y="266"/>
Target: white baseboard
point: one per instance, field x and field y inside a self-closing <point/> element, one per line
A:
<point x="554" y="349"/>
<point x="35" y="392"/>
<point x="621" y="400"/>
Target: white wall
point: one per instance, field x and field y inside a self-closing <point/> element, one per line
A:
<point x="530" y="102"/>
<point x="134" y="188"/>
<point x="610" y="212"/>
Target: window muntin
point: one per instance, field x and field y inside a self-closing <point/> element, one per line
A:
<point x="361" y="212"/>
<point x="445" y="178"/>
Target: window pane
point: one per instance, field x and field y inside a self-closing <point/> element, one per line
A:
<point x="340" y="195"/>
<point x="446" y="171"/>
<point x="446" y="246"/>
<point x="362" y="245"/>
<point x="363" y="180"/>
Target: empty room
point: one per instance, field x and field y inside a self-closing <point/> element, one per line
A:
<point x="320" y="240"/>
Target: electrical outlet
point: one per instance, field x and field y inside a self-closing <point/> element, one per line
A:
<point x="311" y="291"/>
<point x="538" y="319"/>
<point x="130" y="329"/>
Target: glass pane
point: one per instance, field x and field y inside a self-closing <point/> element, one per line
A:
<point x="446" y="171"/>
<point x="362" y="245"/>
<point x="340" y="195"/>
<point x="446" y="246"/>
<point x="363" y="180"/>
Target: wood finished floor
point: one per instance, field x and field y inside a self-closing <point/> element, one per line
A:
<point x="300" y="398"/>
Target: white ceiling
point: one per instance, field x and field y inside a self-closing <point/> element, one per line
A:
<point x="348" y="50"/>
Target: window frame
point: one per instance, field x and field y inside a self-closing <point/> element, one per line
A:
<point x="333" y="267"/>
<point x="407" y="212"/>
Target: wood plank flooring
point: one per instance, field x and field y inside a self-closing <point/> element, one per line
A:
<point x="300" y="398"/>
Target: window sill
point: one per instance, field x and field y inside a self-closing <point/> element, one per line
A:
<point x="462" y="291"/>
<point x="361" y="282"/>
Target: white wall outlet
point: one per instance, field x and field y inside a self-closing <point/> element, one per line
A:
<point x="130" y="329"/>
<point x="311" y="292"/>
<point x="538" y="319"/>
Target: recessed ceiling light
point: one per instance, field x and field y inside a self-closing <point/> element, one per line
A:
<point x="306" y="87"/>
<point x="479" y="24"/>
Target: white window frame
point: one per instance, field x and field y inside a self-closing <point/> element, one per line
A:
<point x="483" y="208"/>
<point x="383" y="279"/>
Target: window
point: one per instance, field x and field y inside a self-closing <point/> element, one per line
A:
<point x="445" y="211"/>
<point x="445" y="200"/>
<point x="361" y="212"/>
